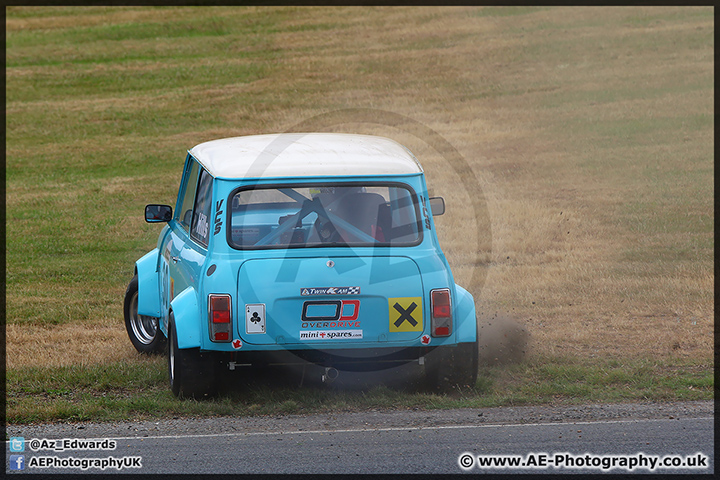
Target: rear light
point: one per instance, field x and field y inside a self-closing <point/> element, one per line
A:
<point x="220" y="315"/>
<point x="441" y="308"/>
<point x="441" y="303"/>
<point x="442" y="331"/>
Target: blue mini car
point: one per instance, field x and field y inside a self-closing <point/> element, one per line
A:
<point x="296" y="248"/>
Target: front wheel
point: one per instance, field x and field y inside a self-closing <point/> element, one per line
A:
<point x="143" y="330"/>
<point x="192" y="373"/>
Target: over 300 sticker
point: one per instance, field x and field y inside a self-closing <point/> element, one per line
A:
<point x="330" y="310"/>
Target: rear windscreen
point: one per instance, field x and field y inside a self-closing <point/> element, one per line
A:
<point x="324" y="215"/>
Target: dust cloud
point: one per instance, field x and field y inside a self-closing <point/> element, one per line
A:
<point x="501" y="340"/>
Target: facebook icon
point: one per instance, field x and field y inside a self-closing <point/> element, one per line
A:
<point x="17" y="462"/>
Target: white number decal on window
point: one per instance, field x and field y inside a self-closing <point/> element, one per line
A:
<point x="202" y="225"/>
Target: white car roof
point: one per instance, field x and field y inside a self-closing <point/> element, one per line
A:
<point x="305" y="155"/>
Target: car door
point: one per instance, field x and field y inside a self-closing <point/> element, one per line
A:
<point x="173" y="279"/>
<point x="194" y="252"/>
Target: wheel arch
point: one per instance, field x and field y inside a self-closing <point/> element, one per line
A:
<point x="186" y="313"/>
<point x="146" y="269"/>
<point x="466" y="326"/>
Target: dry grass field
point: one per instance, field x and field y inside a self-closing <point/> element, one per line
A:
<point x="589" y="132"/>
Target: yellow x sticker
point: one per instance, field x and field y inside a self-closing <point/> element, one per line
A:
<point x="405" y="314"/>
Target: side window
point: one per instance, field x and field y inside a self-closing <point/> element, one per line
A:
<point x="184" y="210"/>
<point x="200" y="230"/>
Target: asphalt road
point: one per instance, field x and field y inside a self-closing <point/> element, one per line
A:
<point x="432" y="442"/>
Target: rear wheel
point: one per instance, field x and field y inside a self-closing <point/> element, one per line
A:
<point x="192" y="373"/>
<point x="143" y="330"/>
<point x="449" y="368"/>
<point x="452" y="367"/>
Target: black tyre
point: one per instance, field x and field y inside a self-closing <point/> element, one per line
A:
<point x="192" y="373"/>
<point x="453" y="367"/>
<point x="143" y="330"/>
